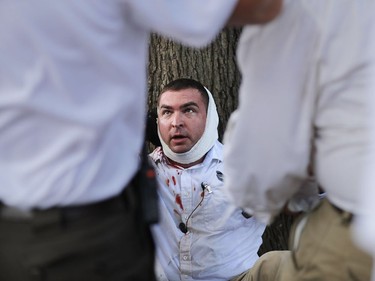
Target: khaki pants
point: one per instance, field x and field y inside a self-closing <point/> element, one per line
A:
<point x="324" y="251"/>
<point x="266" y="268"/>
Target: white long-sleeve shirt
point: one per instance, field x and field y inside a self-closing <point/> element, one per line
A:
<point x="72" y="91"/>
<point x="216" y="246"/>
<point x="364" y="221"/>
<point x="305" y="91"/>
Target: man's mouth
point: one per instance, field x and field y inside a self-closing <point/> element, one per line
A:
<point x="178" y="138"/>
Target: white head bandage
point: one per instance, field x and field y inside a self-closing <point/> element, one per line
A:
<point x="204" y="144"/>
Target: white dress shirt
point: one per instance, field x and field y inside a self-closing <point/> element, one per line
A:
<point x="214" y="248"/>
<point x="364" y="223"/>
<point x="305" y="83"/>
<point x="73" y="95"/>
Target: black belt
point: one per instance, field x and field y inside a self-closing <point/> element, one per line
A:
<point x="68" y="213"/>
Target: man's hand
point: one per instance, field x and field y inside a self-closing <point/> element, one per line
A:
<point x="255" y="12"/>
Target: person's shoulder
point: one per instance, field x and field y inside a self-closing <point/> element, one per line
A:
<point x="217" y="151"/>
<point x="218" y="146"/>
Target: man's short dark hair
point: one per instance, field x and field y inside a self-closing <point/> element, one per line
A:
<point x="185" y="83"/>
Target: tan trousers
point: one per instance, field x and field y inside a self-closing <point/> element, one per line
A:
<point x="267" y="268"/>
<point x="321" y="250"/>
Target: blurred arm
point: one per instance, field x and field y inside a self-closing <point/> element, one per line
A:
<point x="255" y="11"/>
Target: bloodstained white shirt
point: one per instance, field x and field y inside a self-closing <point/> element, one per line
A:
<point x="216" y="246"/>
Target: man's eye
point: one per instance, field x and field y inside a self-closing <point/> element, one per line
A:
<point x="189" y="110"/>
<point x="166" y="112"/>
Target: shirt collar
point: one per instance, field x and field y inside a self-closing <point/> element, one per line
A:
<point x="215" y="153"/>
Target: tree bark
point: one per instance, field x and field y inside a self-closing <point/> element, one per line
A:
<point x="214" y="66"/>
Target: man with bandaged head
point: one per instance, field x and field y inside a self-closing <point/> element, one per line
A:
<point x="193" y="240"/>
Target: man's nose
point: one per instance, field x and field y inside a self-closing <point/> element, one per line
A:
<point x="177" y="120"/>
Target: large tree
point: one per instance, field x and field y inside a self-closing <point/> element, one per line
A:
<point x="215" y="67"/>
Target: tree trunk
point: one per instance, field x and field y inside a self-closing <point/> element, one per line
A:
<point x="276" y="236"/>
<point x="215" y="67"/>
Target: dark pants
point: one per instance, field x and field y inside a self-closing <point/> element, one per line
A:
<point x="110" y="244"/>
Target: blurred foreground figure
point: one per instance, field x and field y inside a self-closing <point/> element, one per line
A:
<point x="305" y="111"/>
<point x="365" y="219"/>
<point x="72" y="113"/>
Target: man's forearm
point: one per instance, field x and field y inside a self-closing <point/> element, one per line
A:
<point x="255" y="11"/>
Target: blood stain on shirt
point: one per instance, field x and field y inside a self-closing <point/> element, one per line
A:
<point x="167" y="182"/>
<point x="174" y="180"/>
<point x="178" y="201"/>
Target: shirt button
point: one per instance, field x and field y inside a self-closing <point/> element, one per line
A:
<point x="185" y="258"/>
<point x="186" y="194"/>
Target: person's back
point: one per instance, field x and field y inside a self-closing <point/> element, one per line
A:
<point x="71" y="95"/>
<point x="314" y="116"/>
<point x="319" y="92"/>
<point x="72" y="110"/>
